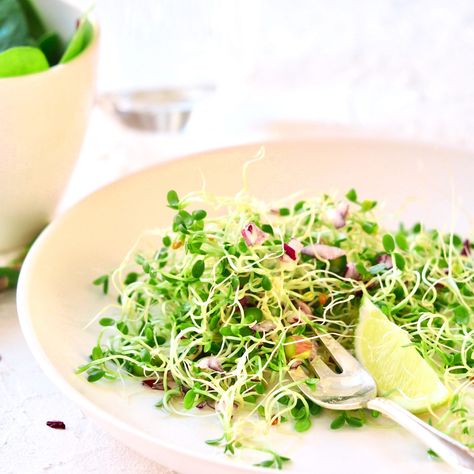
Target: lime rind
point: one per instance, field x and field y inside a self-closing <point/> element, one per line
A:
<point x="400" y="372"/>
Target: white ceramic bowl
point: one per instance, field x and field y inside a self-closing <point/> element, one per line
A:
<point x="56" y="299"/>
<point x="43" y="119"/>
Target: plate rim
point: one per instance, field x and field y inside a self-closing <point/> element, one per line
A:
<point x="48" y="367"/>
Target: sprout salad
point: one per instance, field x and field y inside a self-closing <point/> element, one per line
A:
<point x="215" y="316"/>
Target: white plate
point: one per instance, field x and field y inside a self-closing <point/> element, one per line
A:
<point x="56" y="298"/>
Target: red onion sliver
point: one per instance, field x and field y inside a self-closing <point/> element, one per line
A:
<point x="351" y="272"/>
<point x="303" y="307"/>
<point x="323" y="252"/>
<point x="293" y="248"/>
<point x="386" y="260"/>
<point x="244" y="301"/>
<point x="263" y="326"/>
<point x="338" y="215"/>
<point x="253" y="235"/>
<point x="57" y="425"/>
<point x="293" y="318"/>
<point x="290" y="251"/>
<point x="295" y="364"/>
<point x="343" y="209"/>
<point x="154" y="384"/>
<point x="466" y="248"/>
<point x="211" y="363"/>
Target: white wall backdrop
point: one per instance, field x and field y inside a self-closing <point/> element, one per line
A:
<point x="395" y="65"/>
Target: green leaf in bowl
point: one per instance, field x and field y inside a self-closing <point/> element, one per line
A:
<point x="33" y="19"/>
<point x="79" y="42"/>
<point x="22" y="60"/>
<point x="14" y="29"/>
<point x="51" y="45"/>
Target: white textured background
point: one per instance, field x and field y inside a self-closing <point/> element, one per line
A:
<point x="283" y="68"/>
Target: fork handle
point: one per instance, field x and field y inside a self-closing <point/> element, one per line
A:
<point x="454" y="453"/>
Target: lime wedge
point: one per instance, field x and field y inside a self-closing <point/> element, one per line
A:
<point x="400" y="372"/>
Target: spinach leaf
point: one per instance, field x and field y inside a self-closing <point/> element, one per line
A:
<point x="13" y="26"/>
<point x="35" y="24"/>
<point x="22" y="60"/>
<point x="51" y="45"/>
<point x="79" y="42"/>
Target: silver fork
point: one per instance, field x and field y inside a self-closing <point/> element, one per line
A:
<point x="355" y="388"/>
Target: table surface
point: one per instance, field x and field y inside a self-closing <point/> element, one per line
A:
<point x="394" y="68"/>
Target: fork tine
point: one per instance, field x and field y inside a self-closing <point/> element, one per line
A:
<point x="298" y="374"/>
<point x="343" y="357"/>
<point x="321" y="368"/>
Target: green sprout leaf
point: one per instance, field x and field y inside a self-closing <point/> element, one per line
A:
<point x="107" y="322"/>
<point x="402" y="242"/>
<point x="104" y="282"/>
<point x="198" y="269"/>
<point x="369" y="227"/>
<point x="95" y="374"/>
<point x="214" y="442"/>
<point x="351" y="195"/>
<point x="354" y="421"/>
<point x="189" y="399"/>
<point x="461" y="315"/>
<point x="303" y="425"/>
<point x="338" y="422"/>
<point x="199" y="215"/>
<point x="275" y="462"/>
<point x="399" y="261"/>
<point x="253" y="314"/>
<point x="388" y="243"/>
<point x="367" y="205"/>
<point x="97" y="353"/>
<point x="433" y="454"/>
<point x="173" y="199"/>
<point x="299" y="206"/>
<point x="266" y="283"/>
<point x="122" y="327"/>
